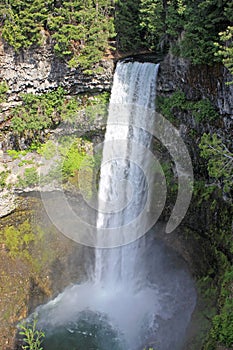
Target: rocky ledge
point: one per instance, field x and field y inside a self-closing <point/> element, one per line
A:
<point x="39" y="70"/>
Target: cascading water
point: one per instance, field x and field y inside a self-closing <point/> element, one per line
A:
<point x="133" y="89"/>
<point x="139" y="292"/>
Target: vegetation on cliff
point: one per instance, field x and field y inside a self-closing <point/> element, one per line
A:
<point x="83" y="32"/>
<point x="212" y="204"/>
<point x="79" y="30"/>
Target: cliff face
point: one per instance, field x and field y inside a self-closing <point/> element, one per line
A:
<point x="198" y="82"/>
<point x="204" y="237"/>
<point x="39" y="70"/>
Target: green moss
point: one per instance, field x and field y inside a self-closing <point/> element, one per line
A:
<point x="18" y="240"/>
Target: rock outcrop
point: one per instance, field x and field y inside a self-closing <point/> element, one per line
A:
<point x="197" y="82"/>
<point x="39" y="70"/>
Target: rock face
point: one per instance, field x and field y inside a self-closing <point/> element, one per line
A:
<point x="198" y="82"/>
<point x="38" y="70"/>
<point x="198" y="237"/>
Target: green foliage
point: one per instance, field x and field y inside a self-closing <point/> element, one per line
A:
<point x="73" y="166"/>
<point x="127" y="25"/>
<point x="73" y="155"/>
<point x="3" y="177"/>
<point x="202" y="110"/>
<point x="202" y="191"/>
<point x="23" y="22"/>
<point x="190" y="28"/>
<point x="3" y="89"/>
<point x="97" y="106"/>
<point x="167" y="105"/>
<point x="221" y="331"/>
<point x="172" y="185"/>
<point x="100" y="99"/>
<point x="198" y="27"/>
<point x="225" y="48"/>
<point x="37" y="111"/>
<point x="81" y="30"/>
<point x="90" y="105"/>
<point x="16" y="154"/>
<point x="26" y="161"/>
<point x="70" y="109"/>
<point x="22" y="241"/>
<point x="31" y="335"/>
<point x="29" y="179"/>
<point x="152" y="21"/>
<point x="225" y="43"/>
<point x="220" y="159"/>
<point x="47" y="150"/>
<point x="18" y="240"/>
<point x="175" y="18"/>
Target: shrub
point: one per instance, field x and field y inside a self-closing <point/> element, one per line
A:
<point x="31" y="336"/>
<point x="30" y="178"/>
<point x="3" y="89"/>
<point x="3" y="177"/>
<point x="202" y="110"/>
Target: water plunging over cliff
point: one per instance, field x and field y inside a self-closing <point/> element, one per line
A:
<point x="123" y="177"/>
<point x="139" y="292"/>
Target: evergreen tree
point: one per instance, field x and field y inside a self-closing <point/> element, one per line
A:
<point x="80" y="29"/>
<point x="152" y="21"/>
<point x="220" y="159"/>
<point x="127" y="25"/>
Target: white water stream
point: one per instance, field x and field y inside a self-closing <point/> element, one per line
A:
<point x="123" y="188"/>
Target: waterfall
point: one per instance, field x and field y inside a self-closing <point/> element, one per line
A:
<point x="133" y="99"/>
<point x="141" y="291"/>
